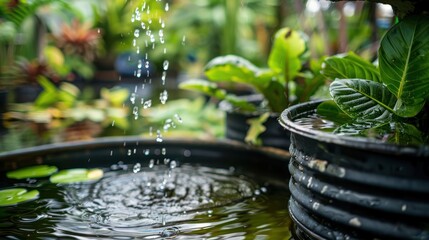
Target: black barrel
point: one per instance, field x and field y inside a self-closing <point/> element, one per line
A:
<point x="355" y="188"/>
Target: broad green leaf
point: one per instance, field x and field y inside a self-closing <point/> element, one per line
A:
<point x="356" y="128"/>
<point x="404" y="63"/>
<point x="397" y="133"/>
<point x="285" y="56"/>
<point x="76" y="175"/>
<point x="349" y="66"/>
<point x="363" y="99"/>
<point x="231" y="68"/>
<point x="275" y="95"/>
<point x="32" y="172"/>
<point x="13" y="196"/>
<point x="306" y="85"/>
<point x="330" y="110"/>
<point x="256" y="128"/>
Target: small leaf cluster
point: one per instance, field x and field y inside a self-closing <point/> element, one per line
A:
<point x="393" y="93"/>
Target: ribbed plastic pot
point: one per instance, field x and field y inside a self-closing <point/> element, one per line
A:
<point x="237" y="126"/>
<point x="355" y="188"/>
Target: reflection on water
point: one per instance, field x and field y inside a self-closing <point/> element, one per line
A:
<point x="186" y="202"/>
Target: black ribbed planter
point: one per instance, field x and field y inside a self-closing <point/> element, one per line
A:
<point x="237" y="126"/>
<point x="355" y="188"/>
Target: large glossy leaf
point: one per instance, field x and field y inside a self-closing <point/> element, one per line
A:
<point x="285" y="56"/>
<point x="404" y="64"/>
<point x="348" y="66"/>
<point x="231" y="68"/>
<point x="330" y="110"/>
<point x="363" y="99"/>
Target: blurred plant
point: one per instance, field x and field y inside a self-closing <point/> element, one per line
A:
<point x="78" y="39"/>
<point x="209" y="28"/>
<point x="186" y="118"/>
<point x="58" y="113"/>
<point x="23" y="37"/>
<point x="286" y="81"/>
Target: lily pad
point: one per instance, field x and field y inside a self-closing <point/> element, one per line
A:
<point x="13" y="196"/>
<point x="76" y="175"/>
<point x="32" y="172"/>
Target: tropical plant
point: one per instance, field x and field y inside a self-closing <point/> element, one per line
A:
<point x="289" y="78"/>
<point x="390" y="100"/>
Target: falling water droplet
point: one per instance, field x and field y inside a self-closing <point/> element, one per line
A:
<point x="137" y="168"/>
<point x="163" y="151"/>
<point x="133" y="98"/>
<point x="158" y="136"/>
<point x="163" y="77"/>
<point x="163" y="96"/>
<point x="167" y="7"/>
<point x="166" y="64"/>
<point x="146" y="152"/>
<point x="139" y="63"/>
<point x="151" y="163"/>
<point x="173" y="164"/>
<point x="183" y="40"/>
<point x="178" y="118"/>
<point x="136" y="112"/>
<point x="147" y="104"/>
<point x="113" y="123"/>
<point x="136" y="33"/>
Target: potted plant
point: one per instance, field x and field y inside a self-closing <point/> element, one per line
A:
<point x="367" y="177"/>
<point x="289" y="78"/>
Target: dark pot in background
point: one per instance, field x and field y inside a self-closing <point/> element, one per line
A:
<point x="237" y="126"/>
<point x="3" y="106"/>
<point x="355" y="188"/>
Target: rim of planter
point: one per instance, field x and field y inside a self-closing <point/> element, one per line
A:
<point x="117" y="141"/>
<point x="294" y="112"/>
<point x="206" y="146"/>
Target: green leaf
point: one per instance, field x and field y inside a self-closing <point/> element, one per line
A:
<point x="231" y="68"/>
<point x="32" y="172"/>
<point x="397" y="133"/>
<point x="404" y="63"/>
<point x="76" y="175"/>
<point x="49" y="95"/>
<point x="256" y="128"/>
<point x="330" y="110"/>
<point x="13" y="196"/>
<point x="285" y="56"/>
<point x="348" y="66"/>
<point x="240" y="104"/>
<point x="115" y="96"/>
<point x="211" y="89"/>
<point x="363" y="99"/>
<point x="205" y="87"/>
<point x="275" y="95"/>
